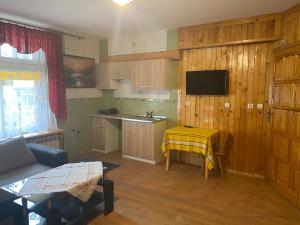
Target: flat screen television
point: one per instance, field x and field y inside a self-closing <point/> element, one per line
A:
<point x="207" y="82"/>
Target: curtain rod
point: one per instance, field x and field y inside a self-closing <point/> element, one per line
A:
<point x="40" y="28"/>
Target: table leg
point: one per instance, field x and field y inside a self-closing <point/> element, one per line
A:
<point x="25" y="212"/>
<point x="206" y="170"/>
<point x="178" y="156"/>
<point x="168" y="161"/>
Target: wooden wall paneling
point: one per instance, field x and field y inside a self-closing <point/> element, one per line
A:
<point x="240" y="31"/>
<point x="248" y="84"/>
<point x="248" y="118"/>
<point x="258" y="131"/>
<point x="237" y="109"/>
<point x="267" y="108"/>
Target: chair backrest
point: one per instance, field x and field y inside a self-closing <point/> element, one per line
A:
<point x="223" y="142"/>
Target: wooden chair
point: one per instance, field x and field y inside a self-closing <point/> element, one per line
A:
<point x="221" y="153"/>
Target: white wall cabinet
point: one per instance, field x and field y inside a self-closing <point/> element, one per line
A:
<point x="138" y="43"/>
<point x="142" y="141"/>
<point x="105" y="134"/>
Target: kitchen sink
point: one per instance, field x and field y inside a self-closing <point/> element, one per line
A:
<point x="154" y="118"/>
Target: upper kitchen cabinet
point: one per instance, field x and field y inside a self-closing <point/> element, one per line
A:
<point x="120" y="70"/>
<point x="103" y="77"/>
<point x="151" y="74"/>
<point x="138" y="43"/>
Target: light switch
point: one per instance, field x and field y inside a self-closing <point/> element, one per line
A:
<point x="227" y="105"/>
<point x="187" y="103"/>
<point x="250" y="106"/>
<point x="260" y="106"/>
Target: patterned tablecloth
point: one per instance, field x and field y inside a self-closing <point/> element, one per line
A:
<point x="199" y="140"/>
<point x="79" y="179"/>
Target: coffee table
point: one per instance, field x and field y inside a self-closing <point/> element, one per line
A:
<point x="60" y="208"/>
<point x="8" y="210"/>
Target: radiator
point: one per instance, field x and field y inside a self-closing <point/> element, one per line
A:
<point x="52" y="140"/>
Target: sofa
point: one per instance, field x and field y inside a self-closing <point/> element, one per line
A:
<point x="19" y="160"/>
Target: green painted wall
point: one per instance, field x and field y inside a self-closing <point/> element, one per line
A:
<point x="103" y="47"/>
<point x="172" y="39"/>
<point x="135" y="106"/>
<point x="80" y="109"/>
<point x="78" y="119"/>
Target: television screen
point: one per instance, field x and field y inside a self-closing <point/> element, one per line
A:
<point x="208" y="82"/>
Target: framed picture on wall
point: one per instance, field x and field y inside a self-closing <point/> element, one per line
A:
<point x="79" y="72"/>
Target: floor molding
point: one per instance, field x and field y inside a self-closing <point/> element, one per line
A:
<point x="246" y="174"/>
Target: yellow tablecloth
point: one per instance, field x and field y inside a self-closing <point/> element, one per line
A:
<point x="199" y="140"/>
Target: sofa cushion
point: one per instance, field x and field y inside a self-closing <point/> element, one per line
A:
<point x="21" y="173"/>
<point x="14" y="153"/>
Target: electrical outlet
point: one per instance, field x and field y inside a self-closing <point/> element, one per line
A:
<point x="227" y="105"/>
<point x="250" y="106"/>
<point x="260" y="106"/>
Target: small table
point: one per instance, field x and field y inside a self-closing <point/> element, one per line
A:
<point x="61" y="206"/>
<point x="198" y="140"/>
<point x="8" y="208"/>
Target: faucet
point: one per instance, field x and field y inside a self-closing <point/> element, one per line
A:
<point x="150" y="114"/>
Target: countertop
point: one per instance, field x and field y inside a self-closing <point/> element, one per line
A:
<point x="136" y="118"/>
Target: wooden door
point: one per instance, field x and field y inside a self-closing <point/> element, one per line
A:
<point x="284" y="156"/>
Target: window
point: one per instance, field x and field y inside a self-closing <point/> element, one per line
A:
<point x="24" y="104"/>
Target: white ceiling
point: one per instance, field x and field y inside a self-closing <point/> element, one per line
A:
<point x="102" y="17"/>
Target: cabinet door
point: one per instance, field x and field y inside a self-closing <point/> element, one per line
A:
<point x="129" y="138"/>
<point x="125" y="70"/>
<point x="138" y="43"/>
<point x="102" y="76"/>
<point x="145" y="78"/>
<point x="114" y="70"/>
<point x="134" y="75"/>
<point x="145" y="141"/>
<point x="159" y="76"/>
<point x="139" y="75"/>
<point x="98" y="133"/>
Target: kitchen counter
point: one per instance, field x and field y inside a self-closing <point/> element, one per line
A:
<point x="136" y="118"/>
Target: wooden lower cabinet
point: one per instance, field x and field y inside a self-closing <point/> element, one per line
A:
<point x="142" y="141"/>
<point x="105" y="134"/>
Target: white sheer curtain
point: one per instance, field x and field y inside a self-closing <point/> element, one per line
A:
<point x="24" y="101"/>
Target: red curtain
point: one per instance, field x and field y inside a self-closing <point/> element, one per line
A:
<point x="28" y="41"/>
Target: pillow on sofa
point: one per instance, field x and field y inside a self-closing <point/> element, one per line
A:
<point x="14" y="153"/>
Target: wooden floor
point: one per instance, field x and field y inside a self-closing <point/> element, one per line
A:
<point x="149" y="195"/>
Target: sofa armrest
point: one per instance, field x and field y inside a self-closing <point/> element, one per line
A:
<point x="48" y="156"/>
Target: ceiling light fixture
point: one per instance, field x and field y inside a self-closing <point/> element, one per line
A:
<point x="122" y="2"/>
